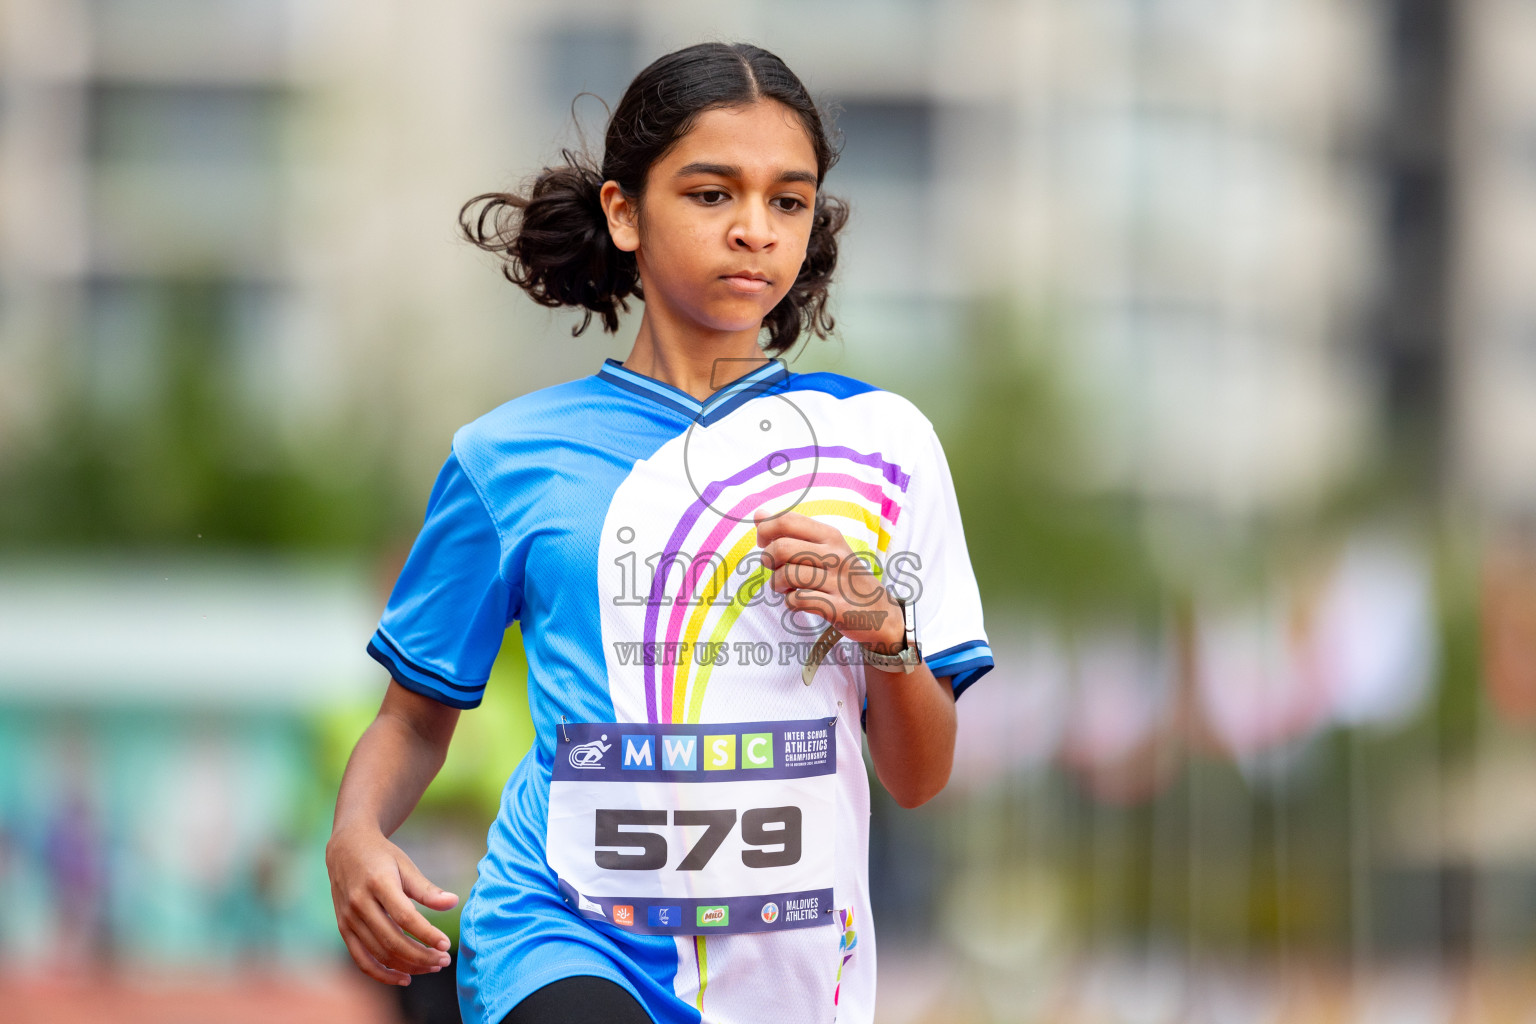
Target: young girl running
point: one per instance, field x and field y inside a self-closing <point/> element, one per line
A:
<point x="725" y="573"/>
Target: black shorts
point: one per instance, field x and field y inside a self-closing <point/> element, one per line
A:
<point x="580" y="1000"/>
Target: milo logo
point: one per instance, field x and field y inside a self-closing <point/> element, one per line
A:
<point x="714" y="916"/>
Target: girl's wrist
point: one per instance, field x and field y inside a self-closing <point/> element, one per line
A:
<point x="891" y="636"/>
<point x="356" y="825"/>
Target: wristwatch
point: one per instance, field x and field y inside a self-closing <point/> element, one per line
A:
<point x="910" y="656"/>
<point x="905" y="660"/>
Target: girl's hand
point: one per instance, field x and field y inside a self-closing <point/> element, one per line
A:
<point x="816" y="570"/>
<point x="372" y="885"/>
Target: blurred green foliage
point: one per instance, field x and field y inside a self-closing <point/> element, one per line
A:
<point x="193" y="464"/>
<point x="1016" y="451"/>
<point x="488" y="741"/>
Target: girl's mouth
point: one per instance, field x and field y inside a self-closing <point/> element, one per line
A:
<point x="746" y="284"/>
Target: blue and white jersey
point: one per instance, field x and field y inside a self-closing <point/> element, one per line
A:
<point x="692" y="821"/>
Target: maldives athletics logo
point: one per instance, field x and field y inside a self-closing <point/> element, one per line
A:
<point x="770" y="913"/>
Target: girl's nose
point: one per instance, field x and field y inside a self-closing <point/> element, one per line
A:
<point x="752" y="232"/>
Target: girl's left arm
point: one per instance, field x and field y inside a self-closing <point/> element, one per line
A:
<point x="910" y="717"/>
<point x="911" y="726"/>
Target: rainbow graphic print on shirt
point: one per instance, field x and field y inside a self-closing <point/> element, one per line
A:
<point x="692" y="581"/>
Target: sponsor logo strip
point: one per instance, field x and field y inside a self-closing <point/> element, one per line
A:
<point x="771" y="912"/>
<point x="678" y="752"/>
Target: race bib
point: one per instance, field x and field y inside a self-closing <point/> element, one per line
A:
<point x="695" y="829"/>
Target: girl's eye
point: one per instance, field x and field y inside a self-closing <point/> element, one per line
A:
<point x="792" y="203"/>
<point x="712" y="192"/>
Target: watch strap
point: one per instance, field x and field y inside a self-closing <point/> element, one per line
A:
<point x="819" y="650"/>
<point x="906" y="660"/>
<point x="910" y="656"/>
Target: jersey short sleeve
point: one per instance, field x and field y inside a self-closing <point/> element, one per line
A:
<point x="443" y="624"/>
<point x="933" y="563"/>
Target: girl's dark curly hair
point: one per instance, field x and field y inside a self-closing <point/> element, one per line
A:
<point x="554" y="242"/>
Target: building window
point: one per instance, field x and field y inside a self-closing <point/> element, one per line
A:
<point x="203" y="124"/>
<point x="887" y="140"/>
<point x="186" y="176"/>
<point x="596" y="59"/>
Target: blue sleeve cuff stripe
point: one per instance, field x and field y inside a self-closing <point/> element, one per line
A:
<point x="440" y="697"/>
<point x="960" y="654"/>
<point x="963" y="681"/>
<point x="954" y="665"/>
<point x="963" y="663"/>
<point x="950" y="652"/>
<point x="420" y="670"/>
<point x="403" y="674"/>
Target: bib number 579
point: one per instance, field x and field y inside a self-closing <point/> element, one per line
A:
<point x="771" y="833"/>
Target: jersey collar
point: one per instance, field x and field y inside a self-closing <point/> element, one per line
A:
<point x="743" y="389"/>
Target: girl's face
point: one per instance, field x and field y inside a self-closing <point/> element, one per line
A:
<point x="725" y="218"/>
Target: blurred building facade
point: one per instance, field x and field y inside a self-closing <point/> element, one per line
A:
<point x="1192" y="196"/>
<point x="143" y="143"/>
<point x="1174" y="187"/>
<point x="1493" y="353"/>
<point x="1195" y="197"/>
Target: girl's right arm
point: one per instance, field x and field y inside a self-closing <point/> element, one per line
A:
<point x="372" y="880"/>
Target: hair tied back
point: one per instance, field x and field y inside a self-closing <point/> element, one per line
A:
<point x="554" y="242"/>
